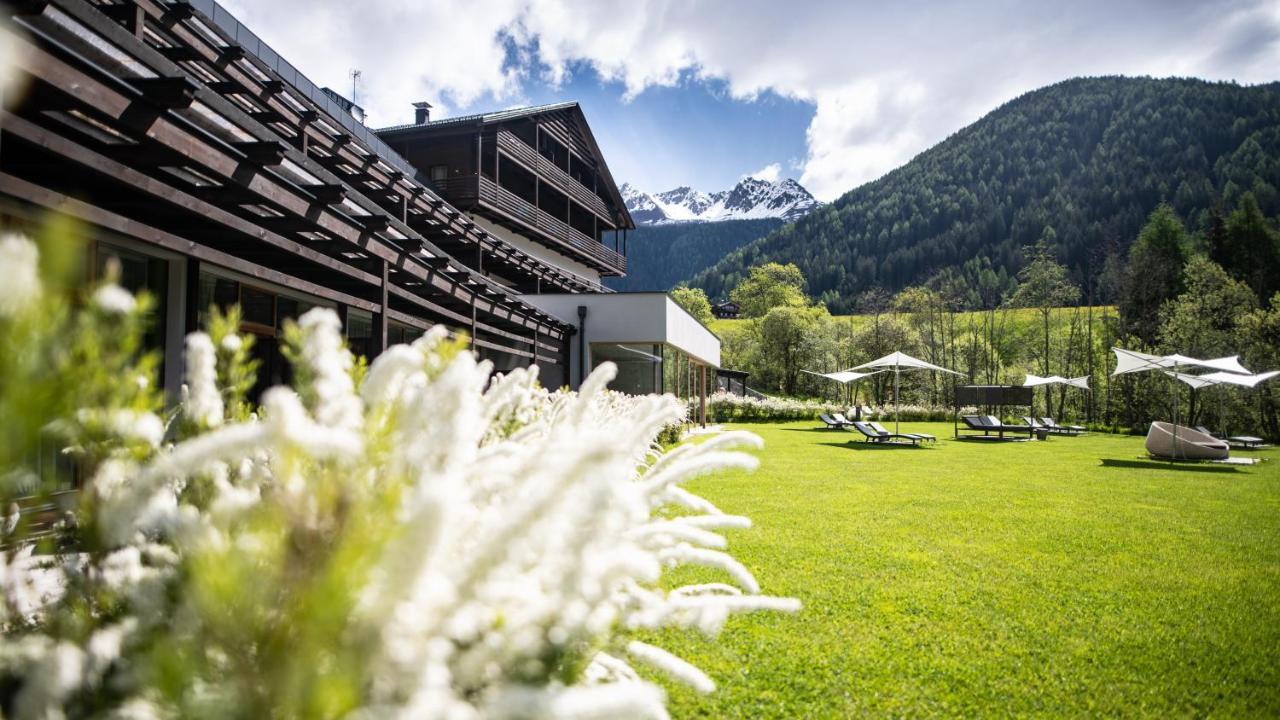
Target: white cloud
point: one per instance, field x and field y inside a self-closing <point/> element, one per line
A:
<point x="886" y="79"/>
<point x="768" y="173"/>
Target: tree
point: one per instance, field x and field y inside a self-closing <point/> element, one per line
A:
<point x="1259" y="334"/>
<point x="770" y="286"/>
<point x="1248" y="248"/>
<point x="694" y="301"/>
<point x="1154" y="272"/>
<point x="786" y="333"/>
<point x="1044" y="285"/>
<point x="1203" y="321"/>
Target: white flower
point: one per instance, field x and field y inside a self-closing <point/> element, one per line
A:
<point x="232" y="342"/>
<point x="114" y="299"/>
<point x="517" y="530"/>
<point x="203" y="402"/>
<point x="132" y="425"/>
<point x="21" y="262"/>
<point x="337" y="404"/>
<point x="673" y="666"/>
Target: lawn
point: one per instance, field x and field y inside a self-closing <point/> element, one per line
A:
<point x="1067" y="577"/>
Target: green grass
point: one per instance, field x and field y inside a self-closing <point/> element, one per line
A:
<point x="1067" y="577"/>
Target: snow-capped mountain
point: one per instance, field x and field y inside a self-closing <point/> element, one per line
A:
<point x="750" y="199"/>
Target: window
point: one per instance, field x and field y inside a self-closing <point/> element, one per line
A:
<point x="639" y="366"/>
<point x="141" y="273"/>
<point x="360" y="331"/>
<point x="439" y="172"/>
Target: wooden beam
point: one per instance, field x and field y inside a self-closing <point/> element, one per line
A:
<point x="167" y="133"/>
<point x="169" y="93"/>
<point x="263" y="153"/>
<point x="101" y="217"/>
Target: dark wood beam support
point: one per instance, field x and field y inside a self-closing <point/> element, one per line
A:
<point x="382" y="314"/>
<point x="168" y="93"/>
<point x="264" y="153"/>
<point x="131" y="17"/>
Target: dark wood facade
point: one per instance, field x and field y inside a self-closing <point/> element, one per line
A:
<point x="536" y="171"/>
<point x="170" y="127"/>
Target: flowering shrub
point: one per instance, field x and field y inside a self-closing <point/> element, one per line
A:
<point x="726" y="407"/>
<point x="418" y="540"/>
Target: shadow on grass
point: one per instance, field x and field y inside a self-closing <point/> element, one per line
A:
<point x="1167" y="465"/>
<point x="859" y="445"/>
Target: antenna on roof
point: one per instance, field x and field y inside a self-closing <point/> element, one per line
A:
<point x="355" y="77"/>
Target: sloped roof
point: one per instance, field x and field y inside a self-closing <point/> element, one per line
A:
<point x="498" y="116"/>
<point x="483" y="118"/>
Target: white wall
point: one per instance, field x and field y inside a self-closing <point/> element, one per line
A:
<point x="537" y="249"/>
<point x="630" y="318"/>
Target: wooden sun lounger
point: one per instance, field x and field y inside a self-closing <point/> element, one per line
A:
<point x="874" y="436"/>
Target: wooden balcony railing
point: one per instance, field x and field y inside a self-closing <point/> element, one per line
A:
<point x="523" y="153"/>
<point x="558" y="231"/>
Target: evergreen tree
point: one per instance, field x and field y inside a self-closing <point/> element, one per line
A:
<point x="1154" y="273"/>
<point x="1249" y="248"/>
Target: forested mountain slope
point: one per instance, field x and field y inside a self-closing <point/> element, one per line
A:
<point x="661" y="256"/>
<point x="1088" y="157"/>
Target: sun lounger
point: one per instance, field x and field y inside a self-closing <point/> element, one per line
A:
<point x="1243" y="442"/>
<point x="989" y="424"/>
<point x="1061" y="429"/>
<point x="840" y="418"/>
<point x="831" y="422"/>
<point x="883" y="431"/>
<point x="874" y="436"/>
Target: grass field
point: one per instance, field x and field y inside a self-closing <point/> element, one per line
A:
<point x="1067" y="577"/>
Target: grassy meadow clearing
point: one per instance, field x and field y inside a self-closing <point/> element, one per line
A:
<point x="1067" y="577"/>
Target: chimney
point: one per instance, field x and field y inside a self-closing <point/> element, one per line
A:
<point x="421" y="113"/>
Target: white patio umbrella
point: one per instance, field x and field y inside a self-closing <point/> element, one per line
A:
<point x="1222" y="378"/>
<point x="1131" y="361"/>
<point x="844" y="377"/>
<point x="1036" y="381"/>
<point x="897" y="362"/>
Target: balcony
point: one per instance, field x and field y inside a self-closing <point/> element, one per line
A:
<point x="523" y="153"/>
<point x="561" y="233"/>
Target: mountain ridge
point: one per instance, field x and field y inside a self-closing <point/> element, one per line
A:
<point x="750" y="199"/>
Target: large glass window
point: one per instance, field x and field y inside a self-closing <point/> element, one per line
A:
<point x="262" y="314"/>
<point x="140" y="272"/>
<point x="639" y="366"/>
<point x="360" y="331"/>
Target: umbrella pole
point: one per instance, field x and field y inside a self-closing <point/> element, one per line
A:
<point x="1176" y="449"/>
<point x="895" y="399"/>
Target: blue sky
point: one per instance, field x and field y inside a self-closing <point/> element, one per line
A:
<point x="692" y="133"/>
<point x="702" y="92"/>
